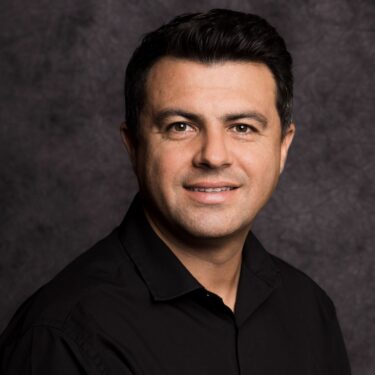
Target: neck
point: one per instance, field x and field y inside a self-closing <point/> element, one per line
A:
<point x="218" y="271"/>
<point x="216" y="264"/>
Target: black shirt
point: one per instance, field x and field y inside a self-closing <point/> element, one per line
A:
<point x="128" y="306"/>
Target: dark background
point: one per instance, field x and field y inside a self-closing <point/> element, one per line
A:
<point x="66" y="180"/>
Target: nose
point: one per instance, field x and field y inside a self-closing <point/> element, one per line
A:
<point x="213" y="151"/>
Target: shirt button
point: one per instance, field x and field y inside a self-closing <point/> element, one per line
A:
<point x="208" y="294"/>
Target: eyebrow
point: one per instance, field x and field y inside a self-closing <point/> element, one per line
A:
<point x="252" y="115"/>
<point x="169" y="112"/>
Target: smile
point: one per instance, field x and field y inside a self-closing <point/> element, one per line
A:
<point x="212" y="193"/>
<point x="211" y="190"/>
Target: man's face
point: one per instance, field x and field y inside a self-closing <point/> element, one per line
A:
<point x="210" y="150"/>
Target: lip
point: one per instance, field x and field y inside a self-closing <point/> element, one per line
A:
<point x="211" y="197"/>
<point x="211" y="185"/>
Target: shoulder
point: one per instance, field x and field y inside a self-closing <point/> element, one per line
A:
<point x="81" y="282"/>
<point x="302" y="291"/>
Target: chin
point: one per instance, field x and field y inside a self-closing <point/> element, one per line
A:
<point x="211" y="229"/>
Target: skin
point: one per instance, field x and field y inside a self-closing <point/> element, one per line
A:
<point x="206" y="126"/>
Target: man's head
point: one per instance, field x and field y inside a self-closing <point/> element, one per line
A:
<point x="208" y="122"/>
<point x="216" y="36"/>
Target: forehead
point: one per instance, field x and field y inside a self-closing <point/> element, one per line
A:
<point x="179" y="82"/>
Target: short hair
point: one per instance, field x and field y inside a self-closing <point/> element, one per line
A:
<point x="216" y="36"/>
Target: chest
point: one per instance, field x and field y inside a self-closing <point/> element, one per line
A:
<point x="193" y="338"/>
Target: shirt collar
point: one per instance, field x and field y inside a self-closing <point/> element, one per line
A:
<point x="259" y="278"/>
<point x="167" y="278"/>
<point x="259" y="261"/>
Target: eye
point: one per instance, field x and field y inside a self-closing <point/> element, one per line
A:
<point x="244" y="128"/>
<point x="180" y="130"/>
<point x="180" y="127"/>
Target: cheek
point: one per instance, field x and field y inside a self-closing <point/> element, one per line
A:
<point x="162" y="167"/>
<point x="262" y="165"/>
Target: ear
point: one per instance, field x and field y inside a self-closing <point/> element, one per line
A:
<point x="285" y="144"/>
<point x="129" y="142"/>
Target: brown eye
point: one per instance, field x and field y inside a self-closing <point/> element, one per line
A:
<point x="243" y="128"/>
<point x="180" y="127"/>
<point x="180" y="130"/>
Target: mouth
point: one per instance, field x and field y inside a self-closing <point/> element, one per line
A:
<point x="202" y="189"/>
<point x="212" y="193"/>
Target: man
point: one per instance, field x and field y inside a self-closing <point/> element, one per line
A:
<point x="183" y="286"/>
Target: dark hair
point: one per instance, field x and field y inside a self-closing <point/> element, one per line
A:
<point x="216" y="36"/>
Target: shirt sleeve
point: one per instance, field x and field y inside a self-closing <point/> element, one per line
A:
<point x="341" y="361"/>
<point x="334" y="358"/>
<point x="45" y="350"/>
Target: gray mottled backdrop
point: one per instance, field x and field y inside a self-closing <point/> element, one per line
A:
<point x="66" y="180"/>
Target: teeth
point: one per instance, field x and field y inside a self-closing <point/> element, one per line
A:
<point x="212" y="190"/>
